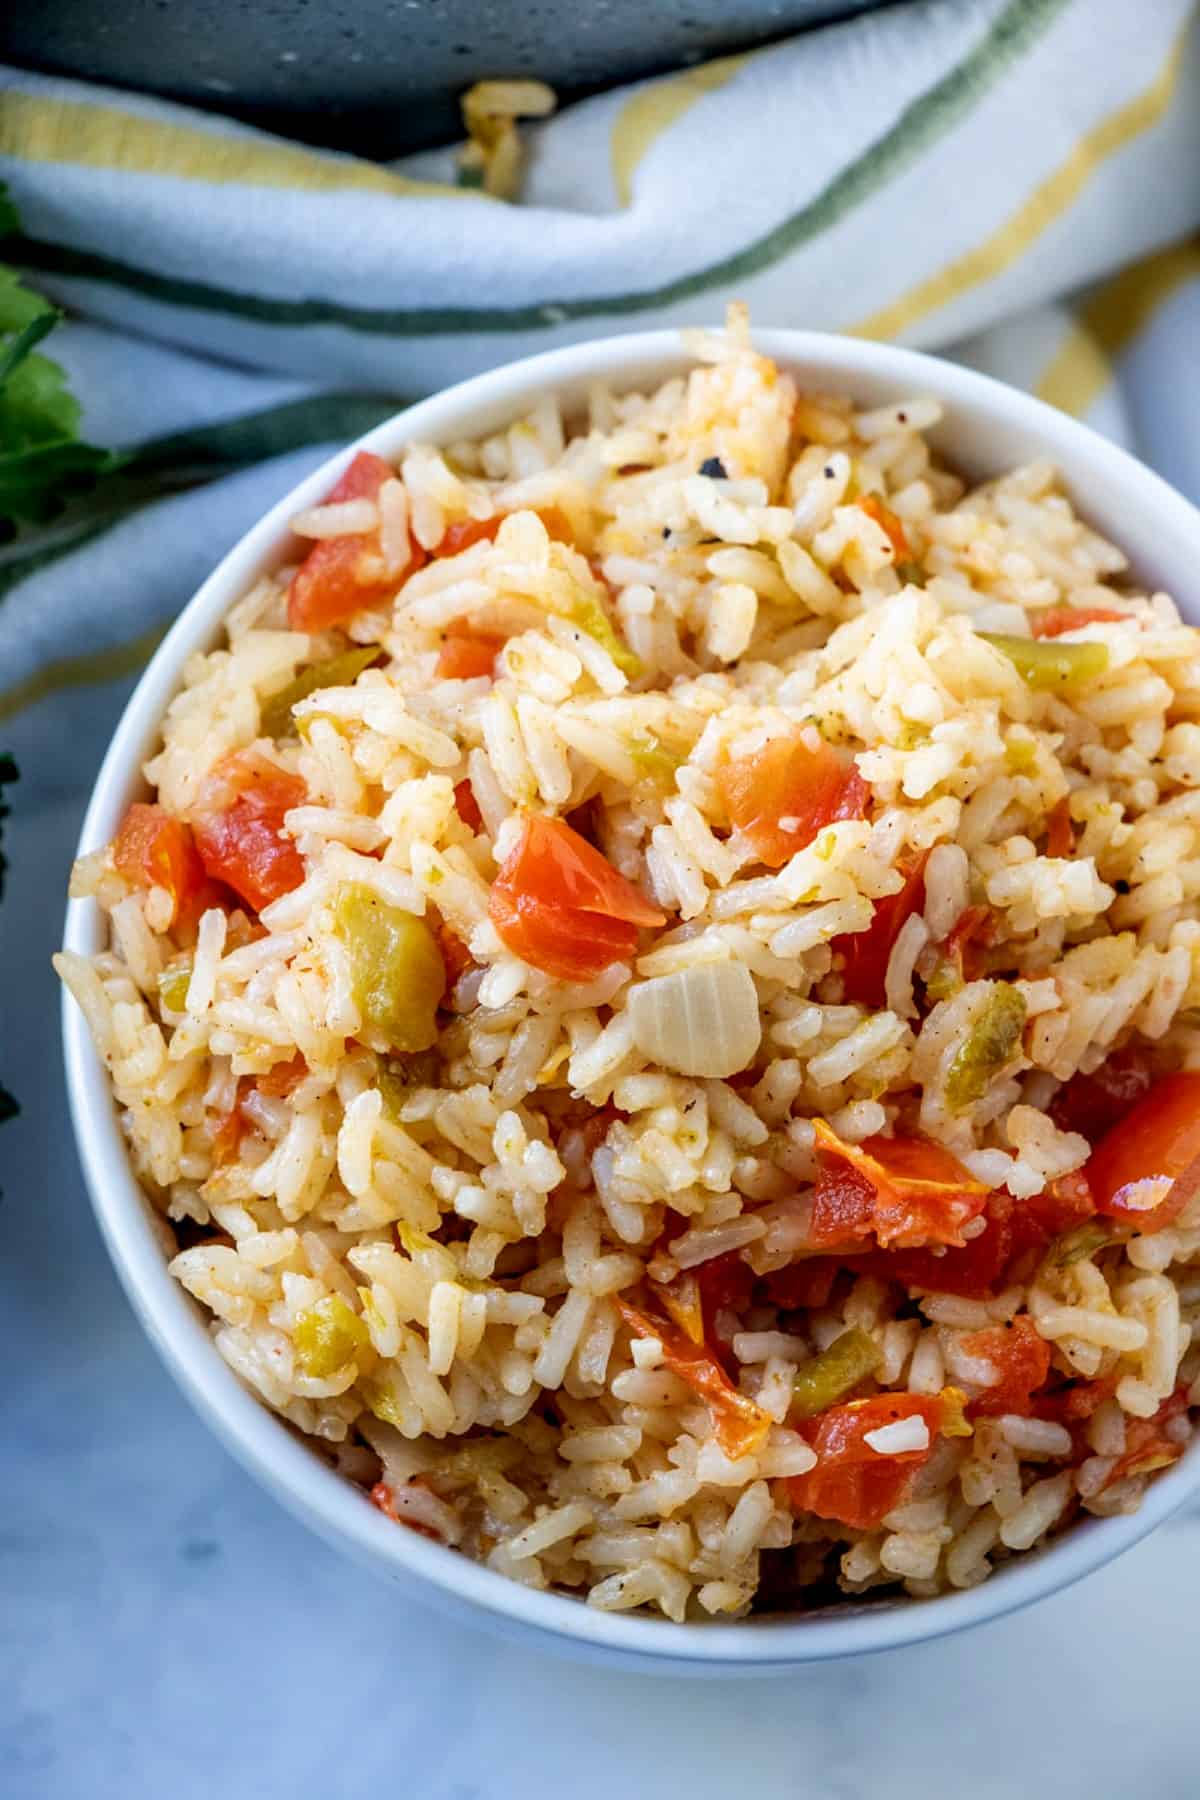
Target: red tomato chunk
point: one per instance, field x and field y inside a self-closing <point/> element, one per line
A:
<point x="467" y="654"/>
<point x="866" y="954"/>
<point x="466" y="806"/>
<point x="1147" y="1445"/>
<point x="901" y="1191"/>
<point x="154" y="849"/>
<point x="239" y="828"/>
<point x="1022" y="1358"/>
<point x="782" y="794"/>
<point x="560" y="906"/>
<point x="465" y="532"/>
<point x="852" y="1482"/>
<point x="740" y="1427"/>
<point x="1146" y="1169"/>
<point x="341" y="576"/>
<point x="1057" y="619"/>
<point x="1093" y="1104"/>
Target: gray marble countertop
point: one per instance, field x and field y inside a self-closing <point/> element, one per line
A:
<point x="165" y="1629"/>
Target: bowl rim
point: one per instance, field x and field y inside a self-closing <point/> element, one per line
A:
<point x="261" y="1441"/>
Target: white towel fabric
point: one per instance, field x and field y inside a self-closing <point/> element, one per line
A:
<point x="1011" y="180"/>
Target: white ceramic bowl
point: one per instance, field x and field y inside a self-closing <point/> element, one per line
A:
<point x="988" y="428"/>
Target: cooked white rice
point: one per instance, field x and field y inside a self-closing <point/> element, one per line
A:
<point x="417" y="1259"/>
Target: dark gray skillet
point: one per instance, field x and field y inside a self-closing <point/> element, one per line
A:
<point x="380" y="76"/>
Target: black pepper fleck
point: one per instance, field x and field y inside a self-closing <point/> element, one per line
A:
<point x="829" y="471"/>
<point x="714" y="467"/>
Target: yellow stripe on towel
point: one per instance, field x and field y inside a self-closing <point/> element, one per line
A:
<point x="1077" y="374"/>
<point x="655" y="108"/>
<point x="1112" y="316"/>
<point x="1048" y="201"/>
<point x="88" y="135"/>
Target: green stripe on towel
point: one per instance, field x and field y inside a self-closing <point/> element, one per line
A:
<point x="923" y="122"/>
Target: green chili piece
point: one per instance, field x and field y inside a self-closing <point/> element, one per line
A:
<point x="591" y="617"/>
<point x="836" y="1372"/>
<point x="1049" y="664"/>
<point x="1080" y="1242"/>
<point x="993" y="1036"/>
<point x="653" y="761"/>
<point x="173" y="985"/>
<point x="327" y="1336"/>
<point x="396" y="969"/>
<point x="336" y="671"/>
<point x="946" y="979"/>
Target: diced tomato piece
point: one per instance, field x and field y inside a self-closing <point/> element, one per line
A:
<point x="852" y="1482"/>
<point x="982" y="1264"/>
<point x="154" y="849"/>
<point x="570" y="946"/>
<point x="341" y="576"/>
<point x="866" y="954"/>
<point x="1073" y="1404"/>
<point x="361" y="479"/>
<point x="1061" y="1206"/>
<point x="561" y="906"/>
<point x="383" y="1496"/>
<point x="466" y="654"/>
<point x="1021" y="1356"/>
<point x="902" y="1191"/>
<point x="1146" y="1169"/>
<point x="239" y="828"/>
<point x="971" y="1272"/>
<point x="782" y="794"/>
<point x="1054" y="620"/>
<point x="726" y="1283"/>
<point x="558" y="526"/>
<point x="680" y="1300"/>
<point x="1147" y="1446"/>
<point x="279" y="1081"/>
<point x="1060" y="837"/>
<point x="804" y="1284"/>
<point x="696" y="1296"/>
<point x="467" y="807"/>
<point x="465" y="532"/>
<point x="883" y="515"/>
<point x="968" y="939"/>
<point x="739" y="1426"/>
<point x="971" y="936"/>
<point x="1093" y="1104"/>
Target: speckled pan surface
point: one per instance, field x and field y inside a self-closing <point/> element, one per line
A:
<point x="380" y="76"/>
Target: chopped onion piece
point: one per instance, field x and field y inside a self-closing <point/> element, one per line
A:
<point x="700" y="1021"/>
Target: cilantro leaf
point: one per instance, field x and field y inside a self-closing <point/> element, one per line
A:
<point x="43" y="461"/>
